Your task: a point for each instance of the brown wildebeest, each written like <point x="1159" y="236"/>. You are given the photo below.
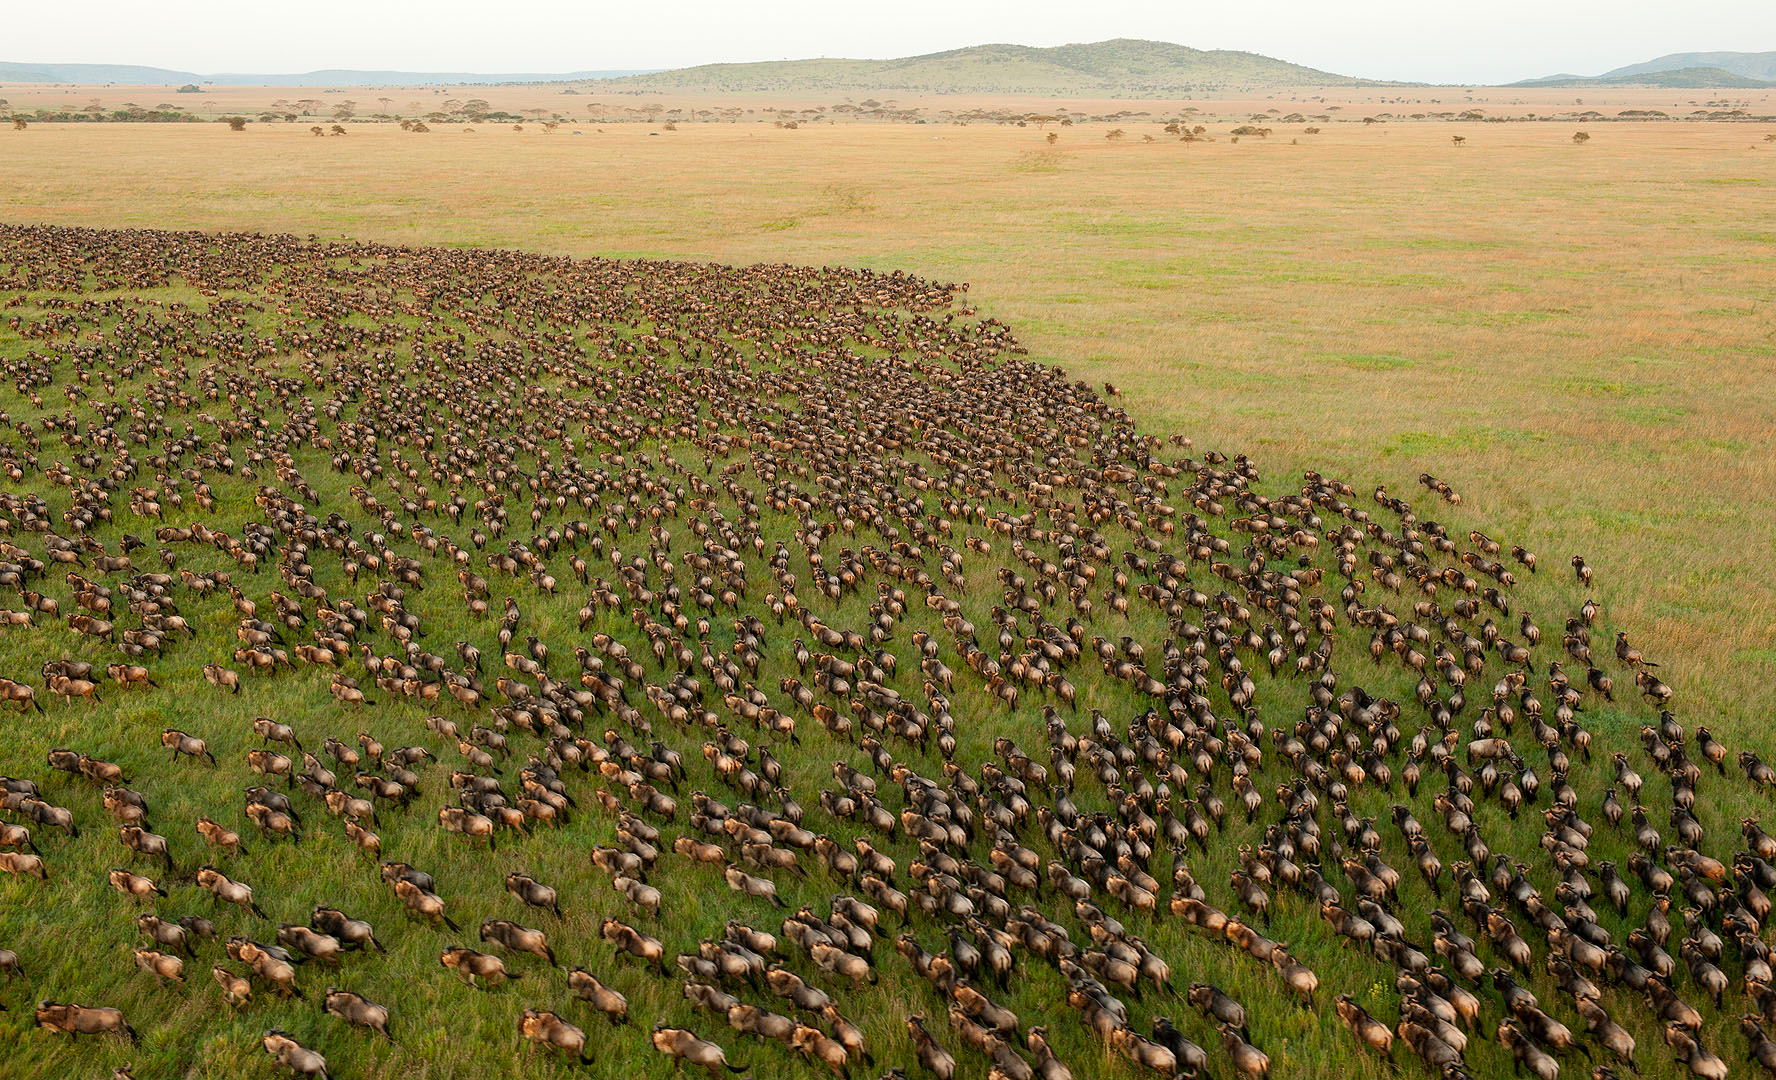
<point x="128" y="675"/>
<point x="634" y="942"/>
<point x="83" y="1020"/>
<point x="548" y="1029"/>
<point x="227" y="891"/>
<point x="353" y="932"/>
<point x="218" y="836"/>
<point x="143" y="842"/>
<point x="17" y="836"/>
<point x="467" y="823"/>
<point x="1368" y="1030"/>
<point x="236" y="988"/>
<point x="310" y="942"/>
<point x="271" y="731"/>
<point x="268" y="965"/>
<point x="222" y="678"/>
<point x="423" y="903"/>
<point x="17" y="693"/>
<point x="180" y="743"/>
<point x="128" y="807"/>
<point x="270" y="763"/>
<point x="168" y="934"/>
<point x="742" y="882"/>
<point x="587" y="987"/>
<point x="684" y="1046"/>
<point x="133" y="885"/>
<point x="644" y="896"/>
<point x="357" y="1011"/>
<point x="69" y="689"/>
<point x="470" y="965"/>
<point x="816" y="1045"/>
<point x="25" y="864"/>
<point x="933" y="1057"/>
<point x="533" y="892"/>
<point x="518" y="938"/>
<point x="363" y="839"/>
<point x="160" y="965"/>
<point x="292" y="1055"/>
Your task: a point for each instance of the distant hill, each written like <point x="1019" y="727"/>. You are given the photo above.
<point x="1691" y="78"/>
<point x="1121" y="68"/>
<point x="93" y="73"/>
<point x="1751" y="65"/>
<point x="129" y="73"/>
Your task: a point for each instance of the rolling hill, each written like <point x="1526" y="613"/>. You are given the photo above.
<point x="131" y="73"/>
<point x="1751" y="65"/>
<point x="1119" y="68"/>
<point x="1696" y="78"/>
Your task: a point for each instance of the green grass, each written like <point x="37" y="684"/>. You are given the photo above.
<point x="1597" y="236"/>
<point x="73" y="934"/>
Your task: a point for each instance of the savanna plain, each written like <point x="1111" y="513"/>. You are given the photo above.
<point x="1578" y="338"/>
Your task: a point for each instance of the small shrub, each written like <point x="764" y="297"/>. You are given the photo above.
<point x="235" y="123"/>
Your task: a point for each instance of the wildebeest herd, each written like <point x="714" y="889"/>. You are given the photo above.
<point x="648" y="655"/>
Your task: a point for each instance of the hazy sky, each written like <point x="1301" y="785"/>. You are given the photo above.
<point x="1426" y="40"/>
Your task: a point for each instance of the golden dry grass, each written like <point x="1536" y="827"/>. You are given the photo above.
<point x="1579" y="337"/>
<point x="602" y="101"/>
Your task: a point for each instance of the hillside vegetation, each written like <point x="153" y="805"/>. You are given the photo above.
<point x="1120" y="68"/>
<point x="1752" y="65"/>
<point x="1699" y="78"/>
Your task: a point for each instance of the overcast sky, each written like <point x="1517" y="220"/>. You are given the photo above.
<point x="1420" y="40"/>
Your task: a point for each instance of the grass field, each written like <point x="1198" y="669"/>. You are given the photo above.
<point x="1578" y="338"/>
<point x="1581" y="337"/>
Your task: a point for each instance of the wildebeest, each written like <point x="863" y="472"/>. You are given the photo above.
<point x="292" y="1055"/>
<point x="470" y="965"/>
<point x="357" y="1011"/>
<point x="352" y="932"/>
<point x="83" y="1020"/>
<point x="533" y="892"/>
<point x="189" y="745"/>
<point x="162" y="966"/>
<point x="588" y="988"/>
<point x="684" y="1046"/>
<point x="632" y="941"/>
<point x="518" y="938"/>
<point x="226" y="890"/>
<point x="549" y="1029"/>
